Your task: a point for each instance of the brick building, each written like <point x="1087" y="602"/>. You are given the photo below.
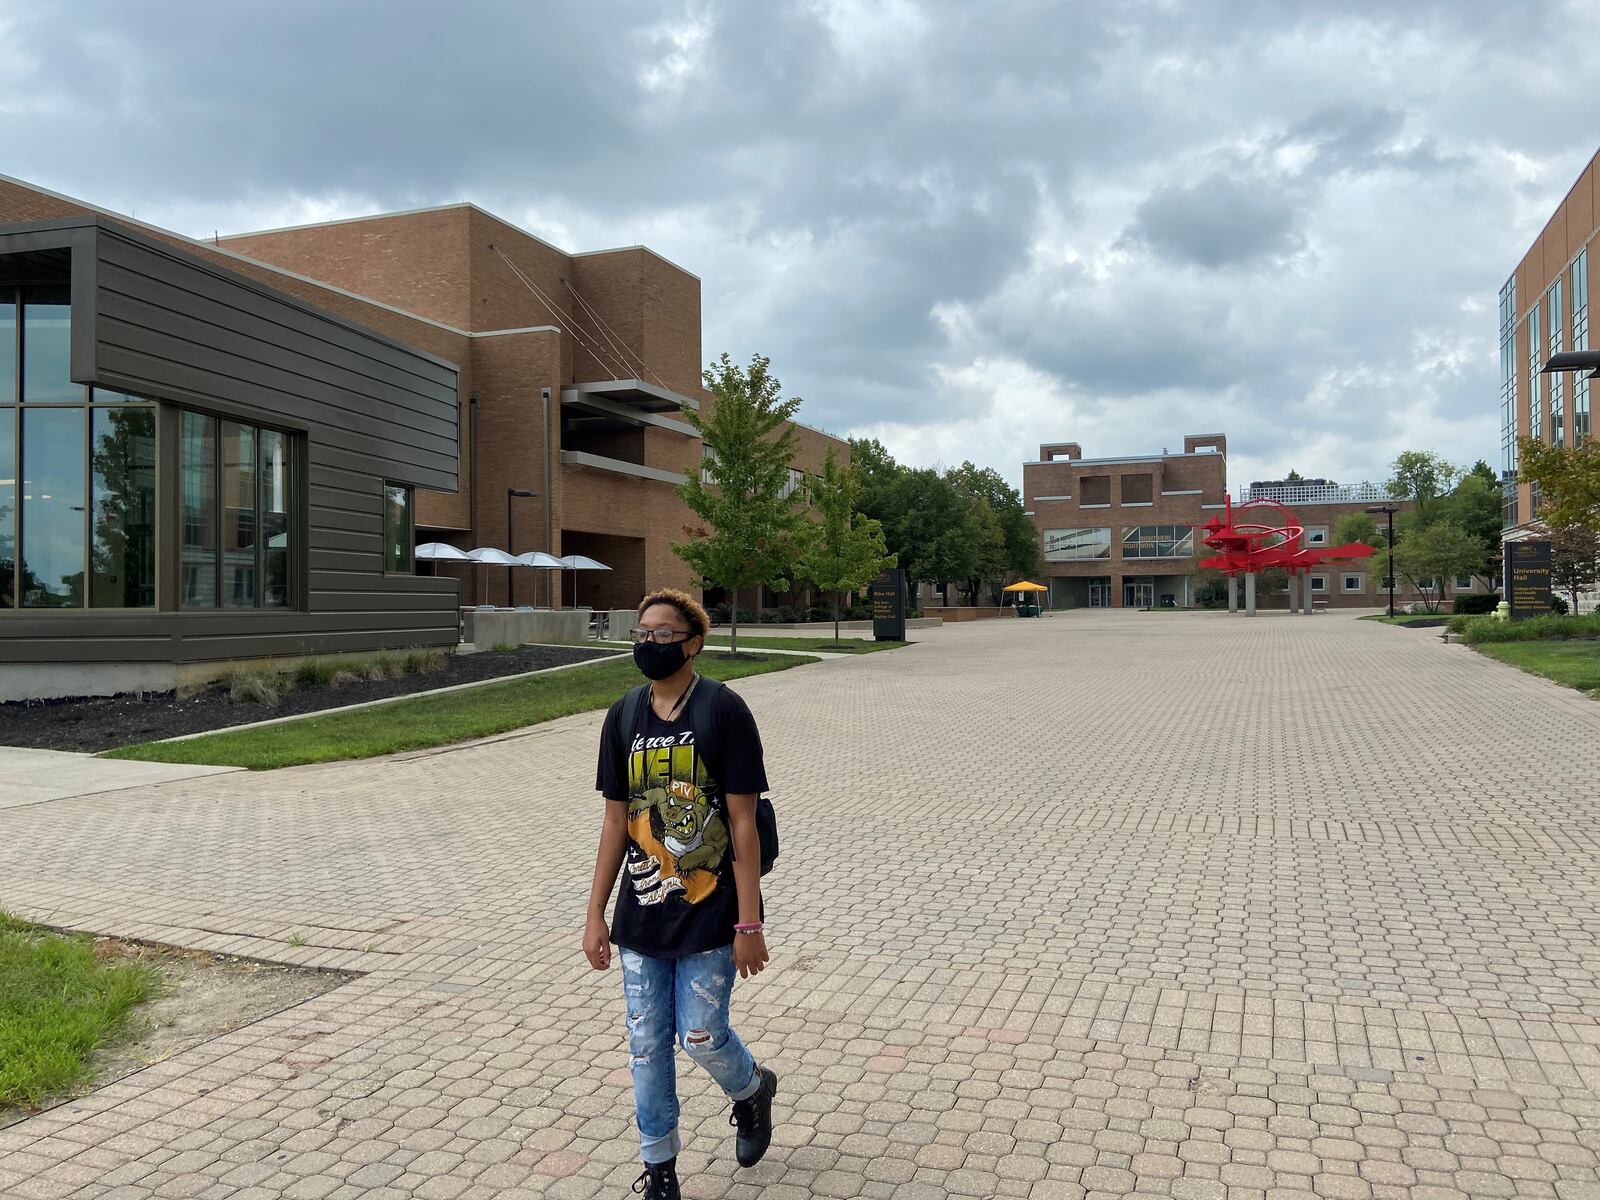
<point x="573" y="372"/>
<point x="1544" y="309"/>
<point x="1121" y="532"/>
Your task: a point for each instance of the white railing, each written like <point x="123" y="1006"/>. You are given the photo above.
<point x="1317" y="493"/>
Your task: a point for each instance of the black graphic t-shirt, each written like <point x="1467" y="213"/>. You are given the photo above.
<point x="677" y="894"/>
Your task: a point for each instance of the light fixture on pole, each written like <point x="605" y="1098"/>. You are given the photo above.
<point x="511" y="544"/>
<point x="1389" y="510"/>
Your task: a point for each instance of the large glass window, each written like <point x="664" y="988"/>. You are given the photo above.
<point x="397" y="547"/>
<point x="8" y="349"/>
<point x="1158" y="541"/>
<point x="8" y="508"/>
<point x="53" y="490"/>
<point x="239" y="500"/>
<point x="1580" y="341"/>
<point x="1558" y="381"/>
<point x="1508" y="402"/>
<point x="237" y="542"/>
<point x="122" y="462"/>
<point x="274" y="532"/>
<point x="46" y="338"/>
<point x="77" y="472"/>
<point x="1535" y="389"/>
<point x="1066" y="545"/>
<point x="198" y="553"/>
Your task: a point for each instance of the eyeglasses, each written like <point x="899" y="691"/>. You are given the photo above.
<point x="662" y="637"/>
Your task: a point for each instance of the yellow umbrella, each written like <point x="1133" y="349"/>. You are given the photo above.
<point x="1025" y="586"/>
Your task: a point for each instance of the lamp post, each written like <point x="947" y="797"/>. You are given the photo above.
<point x="1388" y="510"/>
<point x="511" y="543"/>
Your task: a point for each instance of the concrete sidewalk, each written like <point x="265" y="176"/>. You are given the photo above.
<point x="31" y="776"/>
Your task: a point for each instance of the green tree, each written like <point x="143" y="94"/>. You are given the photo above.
<point x="1574" y="561"/>
<point x="929" y="528"/>
<point x="1431" y="554"/>
<point x="1008" y="539"/>
<point x="1476" y="506"/>
<point x="1568" y="478"/>
<point x="1360" y="529"/>
<point x="752" y="525"/>
<point x="843" y="550"/>
<point x="1421" y="475"/>
<point x="1294" y="476"/>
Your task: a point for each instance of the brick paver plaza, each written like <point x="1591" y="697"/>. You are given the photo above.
<point x="1106" y="904"/>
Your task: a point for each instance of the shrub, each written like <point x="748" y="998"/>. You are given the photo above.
<point x="506" y="647"/>
<point x="1533" y="629"/>
<point x="419" y="662"/>
<point x="820" y="612"/>
<point x="256" y="687"/>
<point x="1558" y="606"/>
<point x="346" y="676"/>
<point x="1477" y="602"/>
<point x="858" y="612"/>
<point x="1458" y="623"/>
<point x="314" y="672"/>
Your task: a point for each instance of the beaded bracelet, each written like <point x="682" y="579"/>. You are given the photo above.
<point x="754" y="927"/>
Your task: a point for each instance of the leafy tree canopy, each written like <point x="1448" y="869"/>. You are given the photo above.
<point x="843" y="550"/>
<point x="1421" y="475"/>
<point x="1429" y="555"/>
<point x="1568" y="478"/>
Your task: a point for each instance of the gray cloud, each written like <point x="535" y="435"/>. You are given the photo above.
<point x="975" y="227"/>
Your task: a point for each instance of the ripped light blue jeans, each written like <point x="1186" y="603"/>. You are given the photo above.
<point x="682" y="1001"/>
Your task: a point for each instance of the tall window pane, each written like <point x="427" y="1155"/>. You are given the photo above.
<point x="8" y="508"/>
<point x="198" y="552"/>
<point x="53" y="493"/>
<point x="122" y="457"/>
<point x="397" y="528"/>
<point x="8" y="350"/>
<point x="238" y="515"/>
<point x="46" y="338"/>
<point x="275" y="533"/>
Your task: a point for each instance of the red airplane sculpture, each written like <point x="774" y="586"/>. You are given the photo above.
<point x="1263" y="533"/>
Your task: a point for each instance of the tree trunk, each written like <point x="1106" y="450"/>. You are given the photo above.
<point x="836" y="618"/>
<point x="733" y="612"/>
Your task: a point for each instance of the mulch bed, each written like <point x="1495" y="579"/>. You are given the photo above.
<point x="104" y="723"/>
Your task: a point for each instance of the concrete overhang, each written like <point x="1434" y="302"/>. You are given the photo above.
<point x="598" y="462"/>
<point x="614" y="412"/>
<point x="635" y="393"/>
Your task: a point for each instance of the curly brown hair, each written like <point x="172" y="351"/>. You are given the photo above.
<point x="688" y="608"/>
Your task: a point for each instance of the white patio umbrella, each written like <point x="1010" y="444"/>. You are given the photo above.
<point x="441" y="552"/>
<point x="547" y="562"/>
<point x="489" y="556"/>
<point x="580" y="562"/>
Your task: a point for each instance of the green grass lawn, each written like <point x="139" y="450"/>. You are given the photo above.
<point x="1574" y="663"/>
<point x="58" y="1004"/>
<point x="427" y="721"/>
<point x="843" y="646"/>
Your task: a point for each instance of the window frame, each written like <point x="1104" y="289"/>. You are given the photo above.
<point x="410" y="531"/>
<point x="1319" y="584"/>
<point x="294" y="522"/>
<point x="1360" y="588"/>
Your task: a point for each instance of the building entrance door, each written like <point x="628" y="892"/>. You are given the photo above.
<point x="1099" y="595"/>
<point x="1139" y="594"/>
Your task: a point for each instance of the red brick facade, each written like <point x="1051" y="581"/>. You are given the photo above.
<point x="439" y="280"/>
<point x="1111" y="530"/>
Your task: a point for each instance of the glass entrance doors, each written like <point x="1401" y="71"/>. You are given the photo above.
<point x="1139" y="594"/>
<point x="1099" y="593"/>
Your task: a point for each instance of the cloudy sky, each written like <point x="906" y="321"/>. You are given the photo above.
<point x="964" y="228"/>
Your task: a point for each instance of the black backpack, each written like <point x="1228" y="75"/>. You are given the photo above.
<point x="705" y="693"/>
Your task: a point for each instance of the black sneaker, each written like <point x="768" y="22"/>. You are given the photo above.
<point x="659" y="1181"/>
<point x="753" y="1116"/>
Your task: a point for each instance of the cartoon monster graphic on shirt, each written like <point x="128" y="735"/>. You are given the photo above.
<point x="681" y="836"/>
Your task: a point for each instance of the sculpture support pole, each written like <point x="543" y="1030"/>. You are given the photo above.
<point x="1305" y="594"/>
<point x="1294" y="593"/>
<point x="1250" y="594"/>
<point x="1233" y="593"/>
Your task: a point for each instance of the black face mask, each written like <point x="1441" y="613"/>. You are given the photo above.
<point x="658" y="661"/>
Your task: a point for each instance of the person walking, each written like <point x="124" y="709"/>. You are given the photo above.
<point x="681" y="775"/>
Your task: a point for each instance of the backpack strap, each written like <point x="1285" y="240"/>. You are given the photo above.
<point x="632" y="705"/>
<point x="703" y="722"/>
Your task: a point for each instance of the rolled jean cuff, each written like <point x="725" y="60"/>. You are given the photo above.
<point x="659" y="1149"/>
<point x="754" y="1086"/>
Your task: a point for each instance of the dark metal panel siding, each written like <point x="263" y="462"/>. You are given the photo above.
<point x="152" y="320"/>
